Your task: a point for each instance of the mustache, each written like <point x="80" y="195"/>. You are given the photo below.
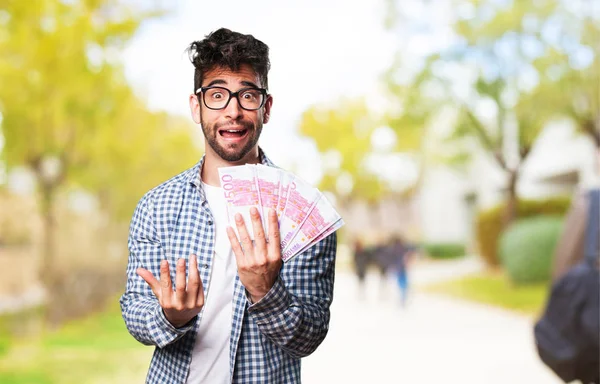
<point x="235" y="124"/>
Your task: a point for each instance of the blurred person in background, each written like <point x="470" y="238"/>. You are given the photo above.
<point x="567" y="335"/>
<point x="375" y="255"/>
<point x="229" y="319"/>
<point x="361" y="263"/>
<point x="401" y="255"/>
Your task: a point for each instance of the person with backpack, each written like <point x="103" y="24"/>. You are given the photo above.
<point x="567" y="335"/>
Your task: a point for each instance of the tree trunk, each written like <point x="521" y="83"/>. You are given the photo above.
<point x="48" y="263"/>
<point x="48" y="183"/>
<point x="590" y="128"/>
<point x="48" y="273"/>
<point x="511" y="212"/>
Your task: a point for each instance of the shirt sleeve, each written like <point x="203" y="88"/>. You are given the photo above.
<point x="143" y="315"/>
<point x="294" y="314"/>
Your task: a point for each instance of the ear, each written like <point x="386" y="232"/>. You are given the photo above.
<point x="195" y="108"/>
<point x="267" y="112"/>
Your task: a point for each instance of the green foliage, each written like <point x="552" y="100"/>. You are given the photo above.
<point x="413" y="107"/>
<point x="527" y="248"/>
<point x="90" y="350"/>
<point x="567" y="68"/>
<point x="64" y="97"/>
<point x="495" y="289"/>
<point x="5" y="338"/>
<point x="51" y="88"/>
<point x="513" y="39"/>
<point x="122" y="165"/>
<point x="489" y="223"/>
<point x="504" y="73"/>
<point x="343" y="131"/>
<point x="444" y="250"/>
<point x="14" y="325"/>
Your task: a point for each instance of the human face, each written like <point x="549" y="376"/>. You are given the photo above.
<point x="231" y="133"/>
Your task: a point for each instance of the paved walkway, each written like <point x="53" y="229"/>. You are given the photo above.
<point x="434" y="340"/>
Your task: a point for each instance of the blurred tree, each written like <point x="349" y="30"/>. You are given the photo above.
<point x="342" y="134"/>
<point x="509" y="68"/>
<point x="121" y="161"/>
<point x="413" y="109"/>
<point x="61" y="83"/>
<point x="569" y="70"/>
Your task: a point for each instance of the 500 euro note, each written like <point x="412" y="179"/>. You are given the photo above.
<point x="241" y="194"/>
<point x="304" y="214"/>
<point x="301" y="199"/>
<point x="268" y="185"/>
<point x="286" y="179"/>
<point x="321" y="218"/>
<point x="334" y="227"/>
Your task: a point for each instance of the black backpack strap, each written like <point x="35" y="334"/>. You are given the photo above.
<point x="591" y="249"/>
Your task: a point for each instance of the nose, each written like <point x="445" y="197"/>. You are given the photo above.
<point x="233" y="109"/>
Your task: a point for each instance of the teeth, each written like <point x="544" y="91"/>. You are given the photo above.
<point x="233" y="130"/>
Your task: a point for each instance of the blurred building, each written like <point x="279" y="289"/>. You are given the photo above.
<point x="560" y="162"/>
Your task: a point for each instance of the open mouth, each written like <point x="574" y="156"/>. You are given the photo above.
<point x="233" y="133"/>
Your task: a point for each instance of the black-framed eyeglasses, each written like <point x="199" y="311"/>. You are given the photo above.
<point x="249" y="99"/>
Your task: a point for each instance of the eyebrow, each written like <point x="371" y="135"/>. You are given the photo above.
<point x="215" y="82"/>
<point x="219" y="81"/>
<point x="250" y="84"/>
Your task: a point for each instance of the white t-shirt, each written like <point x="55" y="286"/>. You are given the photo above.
<point x="210" y="357"/>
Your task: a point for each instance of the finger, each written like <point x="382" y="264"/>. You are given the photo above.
<point x="274" y="236"/>
<point x="194" y="281"/>
<point x="245" y="239"/>
<point x="166" y="289"/>
<point x="150" y="279"/>
<point x="236" y="247"/>
<point x="200" y="296"/>
<point x="180" y="284"/>
<point x="260" y="242"/>
<point x="200" y="289"/>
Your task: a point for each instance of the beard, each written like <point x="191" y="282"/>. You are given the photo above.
<point x="231" y="152"/>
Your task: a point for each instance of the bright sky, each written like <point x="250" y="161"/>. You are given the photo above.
<point x="320" y="51"/>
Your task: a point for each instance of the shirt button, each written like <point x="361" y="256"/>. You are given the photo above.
<point x="210" y="222"/>
<point x="205" y="266"/>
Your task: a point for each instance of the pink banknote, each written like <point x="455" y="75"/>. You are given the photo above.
<point x="301" y="199"/>
<point x="334" y="227"/>
<point x="241" y="193"/>
<point x="305" y="215"/>
<point x="286" y="179"/>
<point x="321" y="217"/>
<point x="268" y="184"/>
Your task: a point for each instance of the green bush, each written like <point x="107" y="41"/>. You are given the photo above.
<point x="527" y="247"/>
<point x="489" y="223"/>
<point x="444" y="250"/>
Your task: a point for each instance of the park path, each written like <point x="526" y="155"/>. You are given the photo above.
<point x="435" y="339"/>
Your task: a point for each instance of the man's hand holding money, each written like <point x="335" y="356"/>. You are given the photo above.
<point x="258" y="262"/>
<point x="304" y="216"/>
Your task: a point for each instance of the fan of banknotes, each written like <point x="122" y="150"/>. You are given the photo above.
<point x="304" y="213"/>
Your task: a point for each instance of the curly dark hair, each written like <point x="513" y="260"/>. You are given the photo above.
<point x="228" y="49"/>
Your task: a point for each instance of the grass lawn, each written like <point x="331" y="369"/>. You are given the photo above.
<point x="97" y="349"/>
<point x="494" y="288"/>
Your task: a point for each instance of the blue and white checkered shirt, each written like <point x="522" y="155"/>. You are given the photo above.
<point x="268" y="338"/>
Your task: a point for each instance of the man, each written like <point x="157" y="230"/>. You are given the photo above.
<point x="221" y="309"/>
<point x="401" y="255"/>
